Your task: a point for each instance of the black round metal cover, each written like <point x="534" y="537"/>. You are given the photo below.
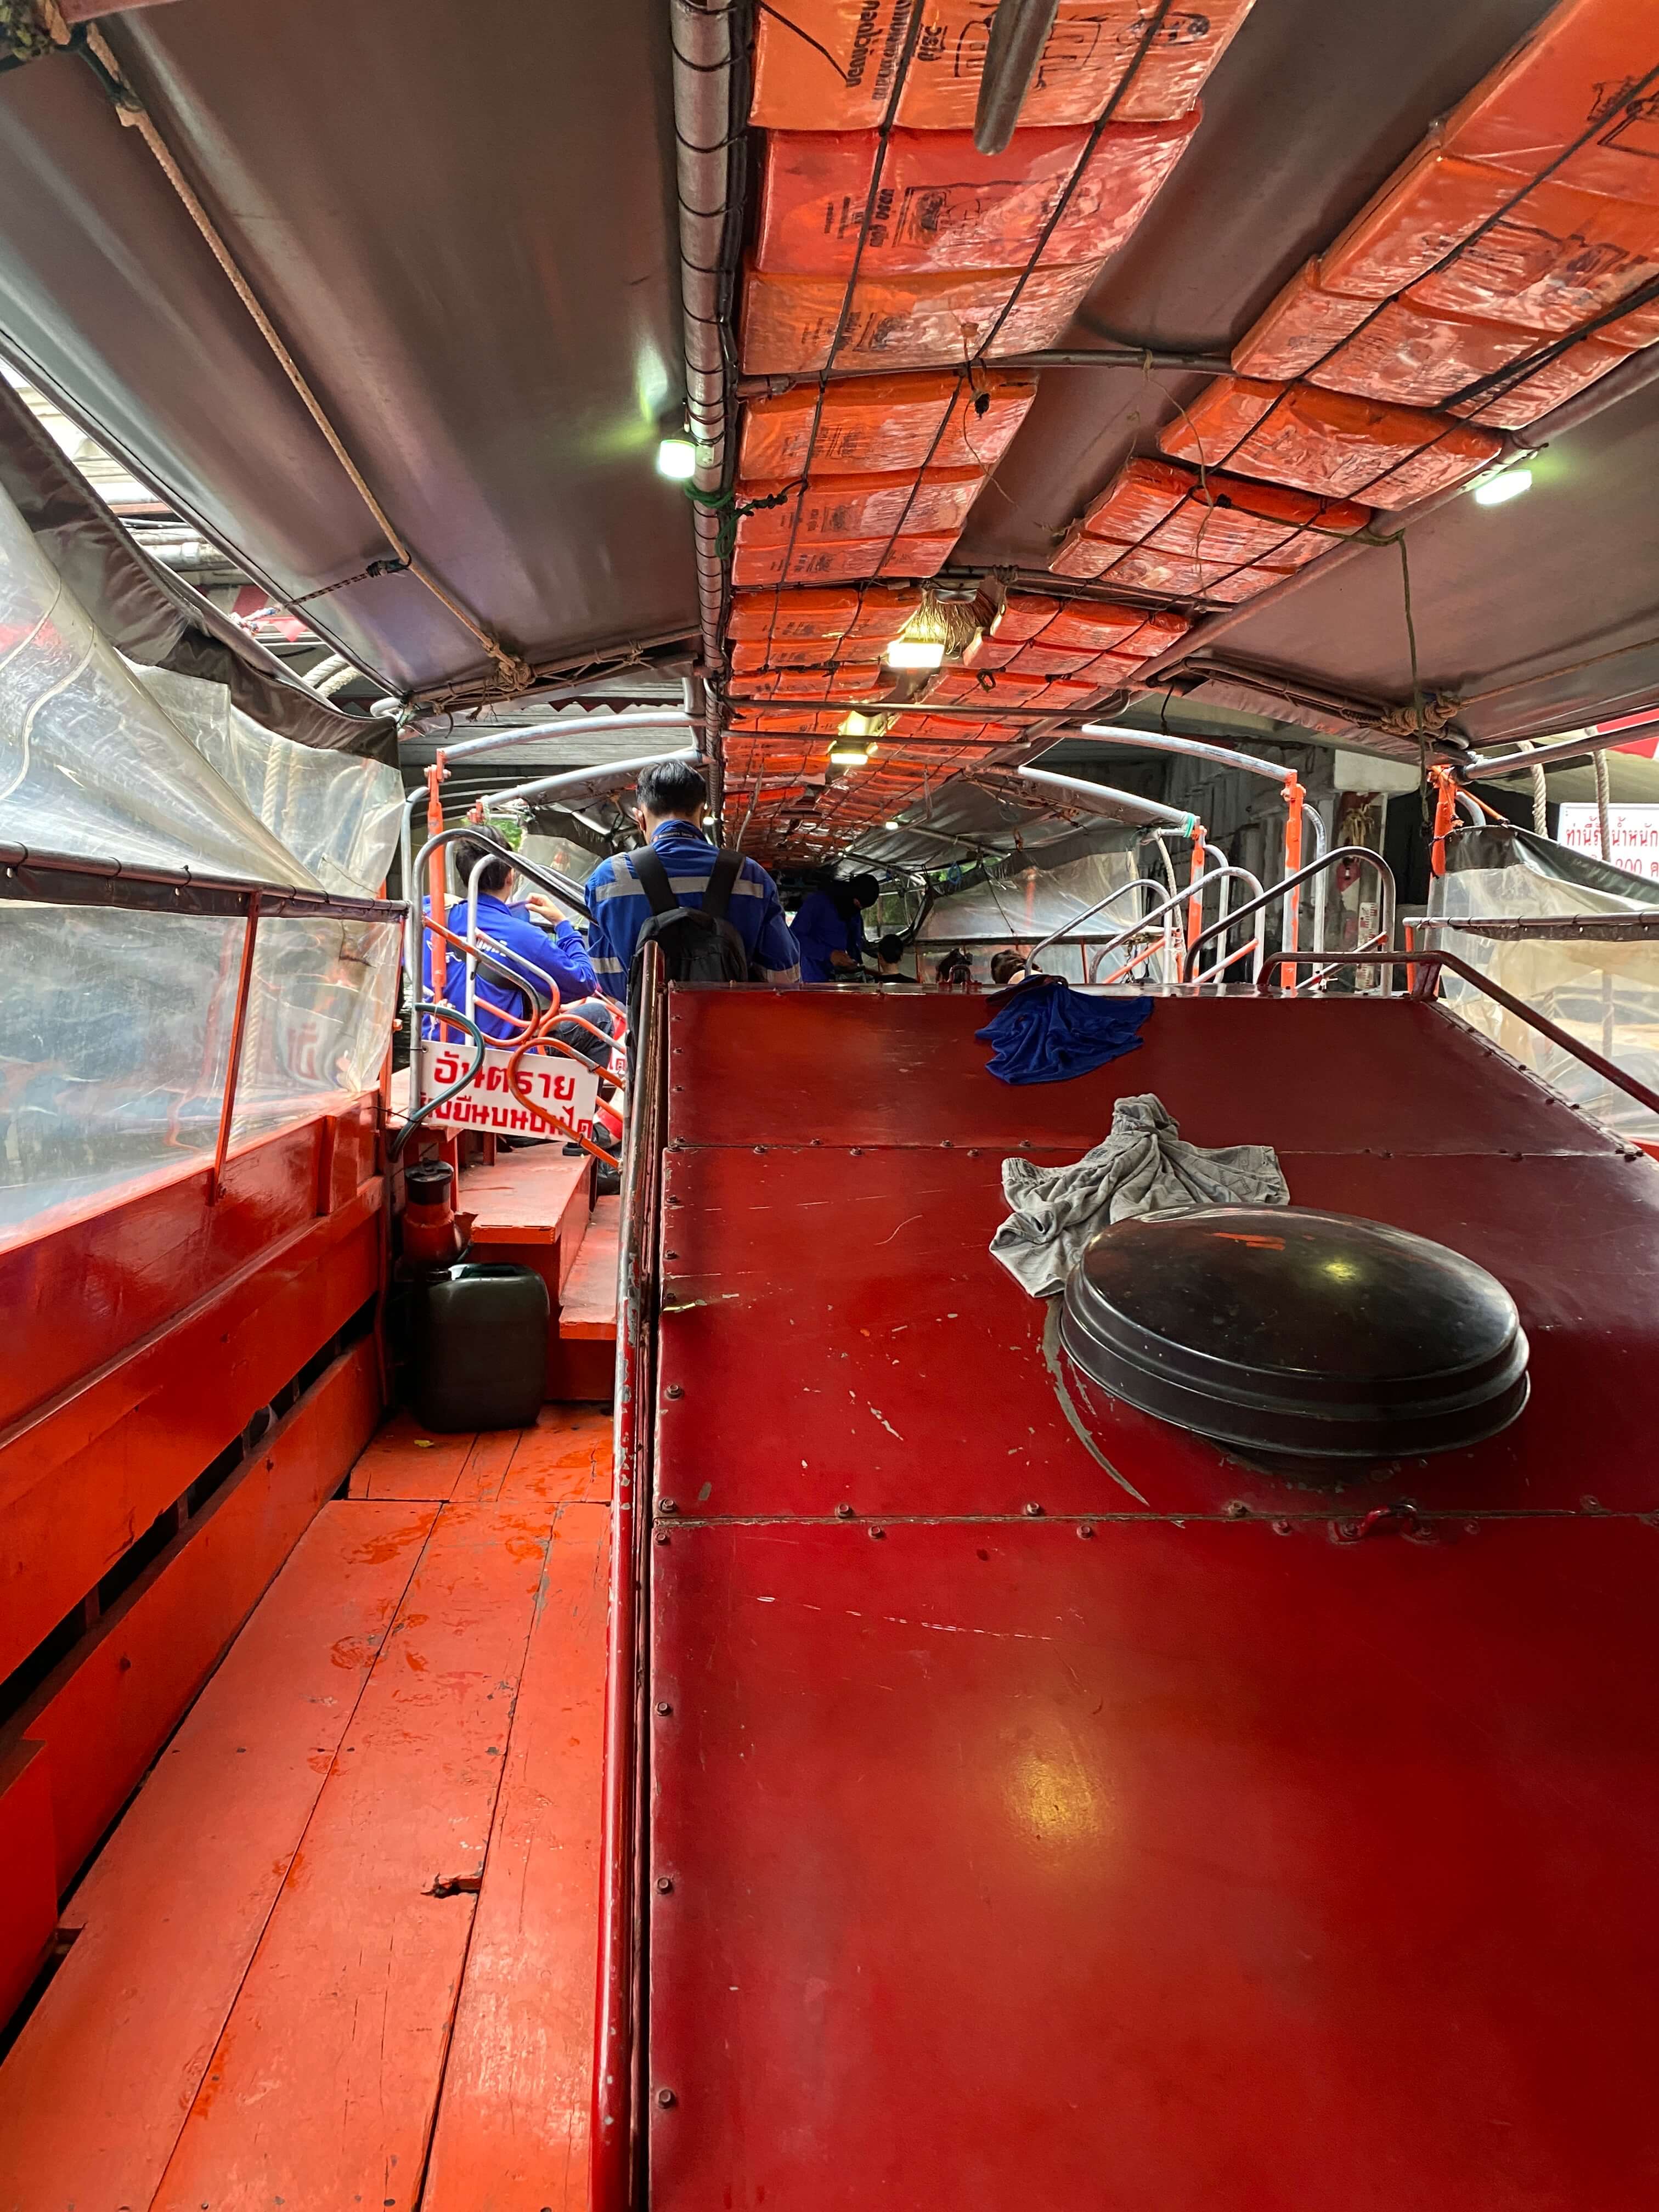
<point x="1287" y="1331"/>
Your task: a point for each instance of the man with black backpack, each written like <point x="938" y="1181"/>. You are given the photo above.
<point x="716" y="915"/>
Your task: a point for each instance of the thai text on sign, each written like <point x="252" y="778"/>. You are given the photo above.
<point x="569" y="1088"/>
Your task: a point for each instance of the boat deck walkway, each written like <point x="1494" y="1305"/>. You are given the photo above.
<point x="340" y="1951"/>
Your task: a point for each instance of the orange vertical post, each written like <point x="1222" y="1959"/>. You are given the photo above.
<point x="1295" y="797"/>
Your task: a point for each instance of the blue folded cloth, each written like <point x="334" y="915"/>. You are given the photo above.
<point x="1044" y="1031"/>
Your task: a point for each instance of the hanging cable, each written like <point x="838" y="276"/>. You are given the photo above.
<point x="1599" y="760"/>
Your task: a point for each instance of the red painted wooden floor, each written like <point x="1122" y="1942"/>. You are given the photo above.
<point x="341" y="1950"/>
<point x="1128" y="1852"/>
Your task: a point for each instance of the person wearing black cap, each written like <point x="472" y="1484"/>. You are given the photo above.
<point x="829" y="928"/>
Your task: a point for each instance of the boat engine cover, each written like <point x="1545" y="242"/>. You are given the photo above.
<point x="1283" y="1330"/>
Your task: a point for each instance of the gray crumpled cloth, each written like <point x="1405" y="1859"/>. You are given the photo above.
<point x="1142" y="1167"/>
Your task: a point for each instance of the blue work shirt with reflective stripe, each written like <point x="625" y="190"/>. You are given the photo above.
<point x="555" y="956"/>
<point x="619" y="909"/>
<point x="822" y="930"/>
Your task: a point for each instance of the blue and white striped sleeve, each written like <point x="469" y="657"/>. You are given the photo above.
<point x="775" y="950"/>
<point x="610" y="970"/>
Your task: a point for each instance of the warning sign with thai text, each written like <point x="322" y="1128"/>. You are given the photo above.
<point x="569" y="1088"/>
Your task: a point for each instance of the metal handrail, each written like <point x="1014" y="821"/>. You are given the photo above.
<point x="1071" y="928"/>
<point x="1180" y="898"/>
<point x="619" y="2009"/>
<point x="549" y="878"/>
<point x="1288" y="883"/>
<point x="1427" y="966"/>
<point x="413" y="1120"/>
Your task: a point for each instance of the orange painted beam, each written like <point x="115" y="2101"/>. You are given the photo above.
<point x="512" y="2129"/>
<point x="110" y="1707"/>
<point x="93" y="2094"/>
<point x="323" y="2088"/>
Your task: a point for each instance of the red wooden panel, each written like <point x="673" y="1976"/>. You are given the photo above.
<point x="108" y="1712"/>
<point x="66" y="1529"/>
<point x="756" y="1066"/>
<point x="28" y="1883"/>
<point x="126" y="1268"/>
<point x="323" y="2088"/>
<point x="93" y="2094"/>
<point x="512" y="2131"/>
<point x="587" y="1301"/>
<point x="1189" y="1867"/>
<point x="838" y="1334"/>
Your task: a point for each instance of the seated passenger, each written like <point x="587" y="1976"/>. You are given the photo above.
<point x="890" y="956"/>
<point x="955" y="972"/>
<point x="529" y="937"/>
<point x="1007" y="968"/>
<point x="829" y="928"/>
<point x="670" y="801"/>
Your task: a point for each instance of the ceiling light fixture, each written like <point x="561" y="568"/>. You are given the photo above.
<point x="1510" y="483"/>
<point x="677" y="459"/>
<point x="922" y="641"/>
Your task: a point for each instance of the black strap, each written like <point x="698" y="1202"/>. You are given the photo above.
<point x="653" y="877"/>
<point x="717" y="892"/>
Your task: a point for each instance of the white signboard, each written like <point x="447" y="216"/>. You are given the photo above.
<point x="569" y="1088"/>
<point x="1633" y="831"/>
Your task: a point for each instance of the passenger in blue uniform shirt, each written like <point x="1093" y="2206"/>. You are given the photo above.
<point x="550" y="948"/>
<point x="829" y="928"/>
<point x="670" y="801"/>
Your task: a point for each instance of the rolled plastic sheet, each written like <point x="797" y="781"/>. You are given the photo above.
<point x="1430" y="205"/>
<point x="831" y="64"/>
<point x="1412" y="354"/>
<point x="1605" y="994"/>
<point x="338" y="815"/>
<point x="946" y="421"/>
<point x="827" y="509"/>
<point x="1552" y="262"/>
<point x="1513" y="406"/>
<point x="791" y="324"/>
<point x="908" y="555"/>
<point x="1579" y="92"/>
<point x="1299" y="328"/>
<point x="1328" y="442"/>
<point x="940" y="205"/>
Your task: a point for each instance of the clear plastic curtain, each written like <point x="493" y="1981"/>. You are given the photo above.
<point x="1023" y="905"/>
<point x="115" y="1026"/>
<point x="1603" y="992"/>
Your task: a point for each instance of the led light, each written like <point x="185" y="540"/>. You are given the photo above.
<point x="916" y="652"/>
<point x="889" y="825"/>
<point x="845" y="754"/>
<point x="1510" y="485"/>
<point x="677" y="459"/>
